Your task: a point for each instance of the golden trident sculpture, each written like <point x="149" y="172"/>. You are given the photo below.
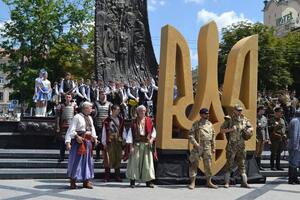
<point x="240" y="87"/>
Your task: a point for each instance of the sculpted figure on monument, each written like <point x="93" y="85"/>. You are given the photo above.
<point x="121" y="37"/>
<point x="139" y="45"/>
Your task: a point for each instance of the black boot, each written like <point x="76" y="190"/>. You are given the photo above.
<point x="278" y="163"/>
<point x="149" y="184"/>
<point x="258" y="161"/>
<point x="132" y="183"/>
<point x="272" y="162"/>
<point x="107" y="174"/>
<point x="295" y="176"/>
<point x="62" y="152"/>
<point x="290" y="173"/>
<point x="118" y="175"/>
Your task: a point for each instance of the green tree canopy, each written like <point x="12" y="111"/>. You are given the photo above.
<point x="274" y="70"/>
<point x="52" y="34"/>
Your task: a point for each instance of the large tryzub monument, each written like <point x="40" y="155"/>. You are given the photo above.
<point x="123" y="48"/>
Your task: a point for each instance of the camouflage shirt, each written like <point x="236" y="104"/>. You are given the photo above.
<point x="202" y="133"/>
<point x="241" y="124"/>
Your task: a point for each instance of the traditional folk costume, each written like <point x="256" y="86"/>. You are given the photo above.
<point x="140" y="164"/>
<point x="67" y="87"/>
<point x="81" y="94"/>
<point x="113" y="135"/>
<point x="80" y="164"/>
<point x="93" y="93"/>
<point x="64" y="115"/>
<point x="102" y="111"/>
<point x="43" y="93"/>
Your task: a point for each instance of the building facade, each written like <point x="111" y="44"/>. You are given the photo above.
<point x="283" y="15"/>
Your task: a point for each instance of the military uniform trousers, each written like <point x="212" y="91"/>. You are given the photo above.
<point x="195" y="157"/>
<point x="235" y="151"/>
<point x="276" y="149"/>
<point x="113" y="154"/>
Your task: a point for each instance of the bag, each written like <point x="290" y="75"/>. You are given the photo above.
<point x="246" y="134"/>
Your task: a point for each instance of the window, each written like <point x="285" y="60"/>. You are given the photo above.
<point x="1" y="80"/>
<point x="1" y="96"/>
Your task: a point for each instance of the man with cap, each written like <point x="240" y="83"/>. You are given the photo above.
<point x="278" y="136"/>
<point x="262" y="134"/>
<point x="202" y="137"/>
<point x="237" y="129"/>
<point x="294" y="148"/>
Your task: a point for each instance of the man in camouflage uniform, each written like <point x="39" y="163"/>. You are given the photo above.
<point x="278" y="136"/>
<point x="237" y="129"/>
<point x="202" y="137"/>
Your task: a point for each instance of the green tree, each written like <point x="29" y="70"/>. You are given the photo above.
<point x="290" y="47"/>
<point x="50" y="34"/>
<point x="273" y="70"/>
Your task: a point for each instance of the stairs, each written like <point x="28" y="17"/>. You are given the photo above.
<point x="40" y="164"/>
<point x="43" y="164"/>
<point x="284" y="163"/>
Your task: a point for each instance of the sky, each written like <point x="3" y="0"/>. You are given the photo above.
<point x="187" y="16"/>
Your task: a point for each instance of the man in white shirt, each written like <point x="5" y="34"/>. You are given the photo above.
<point x="80" y="137"/>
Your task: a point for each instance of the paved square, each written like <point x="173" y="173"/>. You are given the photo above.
<point x="276" y="188"/>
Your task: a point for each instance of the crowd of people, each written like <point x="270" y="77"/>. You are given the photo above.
<point x="278" y="126"/>
<point x="92" y="115"/>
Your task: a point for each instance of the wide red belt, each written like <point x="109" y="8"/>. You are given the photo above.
<point x="82" y="149"/>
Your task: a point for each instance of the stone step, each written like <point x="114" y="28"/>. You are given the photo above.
<point x="29" y="153"/>
<point x="266" y="163"/>
<point x="267" y="154"/>
<point x="32" y="153"/>
<point x="42" y="163"/>
<point x="270" y="173"/>
<point x="45" y="173"/>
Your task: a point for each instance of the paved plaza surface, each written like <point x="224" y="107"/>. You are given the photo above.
<point x="276" y="188"/>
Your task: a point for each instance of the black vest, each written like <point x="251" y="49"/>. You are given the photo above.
<point x="93" y="94"/>
<point x="67" y="85"/>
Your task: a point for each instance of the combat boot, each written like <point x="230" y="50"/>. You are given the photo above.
<point x="244" y="183"/>
<point x="192" y="184"/>
<point x="210" y="184"/>
<point x="227" y="179"/>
